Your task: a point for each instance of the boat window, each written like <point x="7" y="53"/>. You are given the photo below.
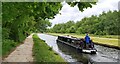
<point x="68" y="40"/>
<point x="72" y="41"/>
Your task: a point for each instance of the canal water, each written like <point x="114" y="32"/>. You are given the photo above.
<point x="104" y="54"/>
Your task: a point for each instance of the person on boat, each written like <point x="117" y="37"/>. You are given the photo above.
<point x="91" y="44"/>
<point x="81" y="43"/>
<point x="87" y="40"/>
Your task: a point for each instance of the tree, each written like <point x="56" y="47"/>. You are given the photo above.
<point x="22" y="18"/>
<point x="104" y="24"/>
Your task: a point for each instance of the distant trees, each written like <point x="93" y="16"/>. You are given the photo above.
<point x="64" y="27"/>
<point x="104" y="24"/>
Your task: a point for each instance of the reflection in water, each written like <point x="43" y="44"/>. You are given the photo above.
<point x="73" y="52"/>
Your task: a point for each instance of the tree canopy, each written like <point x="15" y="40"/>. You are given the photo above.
<point x="19" y="19"/>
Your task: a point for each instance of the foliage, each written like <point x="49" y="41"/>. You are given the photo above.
<point x="19" y="19"/>
<point x="82" y="5"/>
<point x="64" y="28"/>
<point x="104" y="24"/>
<point x="43" y="53"/>
<point x="7" y="46"/>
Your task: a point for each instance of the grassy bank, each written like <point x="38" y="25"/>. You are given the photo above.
<point x="100" y="40"/>
<point x="8" y="46"/>
<point x="43" y="53"/>
<point x="0" y="40"/>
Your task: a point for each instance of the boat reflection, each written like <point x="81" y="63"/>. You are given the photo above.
<point x="73" y="52"/>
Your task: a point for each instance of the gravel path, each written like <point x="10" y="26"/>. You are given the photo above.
<point x="22" y="53"/>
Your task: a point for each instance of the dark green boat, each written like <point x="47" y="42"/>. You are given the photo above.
<point x="78" y="43"/>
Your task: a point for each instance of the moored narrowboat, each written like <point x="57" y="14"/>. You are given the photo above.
<point x="78" y="43"/>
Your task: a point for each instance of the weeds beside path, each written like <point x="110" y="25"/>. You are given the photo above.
<point x="22" y="53"/>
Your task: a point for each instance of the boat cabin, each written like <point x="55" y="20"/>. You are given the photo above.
<point x="70" y="40"/>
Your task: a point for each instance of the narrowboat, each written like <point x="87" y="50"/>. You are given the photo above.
<point x="78" y="43"/>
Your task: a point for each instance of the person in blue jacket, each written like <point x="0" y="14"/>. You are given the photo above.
<point x="87" y="40"/>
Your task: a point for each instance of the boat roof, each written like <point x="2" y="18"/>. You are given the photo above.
<point x="69" y="37"/>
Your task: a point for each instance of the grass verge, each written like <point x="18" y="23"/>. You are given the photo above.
<point x="43" y="53"/>
<point x="0" y="40"/>
<point x="111" y="42"/>
<point x="8" y="46"/>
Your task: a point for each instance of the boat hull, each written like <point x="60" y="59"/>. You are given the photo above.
<point x="90" y="51"/>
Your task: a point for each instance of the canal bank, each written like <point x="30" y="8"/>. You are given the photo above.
<point x="107" y="42"/>
<point x="44" y="53"/>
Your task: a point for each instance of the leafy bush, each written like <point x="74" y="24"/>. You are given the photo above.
<point x="5" y="33"/>
<point x="7" y="46"/>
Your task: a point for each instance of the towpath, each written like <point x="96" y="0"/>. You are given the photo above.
<point x="22" y="53"/>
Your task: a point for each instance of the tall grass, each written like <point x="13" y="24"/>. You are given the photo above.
<point x="0" y="40"/>
<point x="7" y="46"/>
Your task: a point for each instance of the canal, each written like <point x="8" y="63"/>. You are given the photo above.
<point x="104" y="54"/>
